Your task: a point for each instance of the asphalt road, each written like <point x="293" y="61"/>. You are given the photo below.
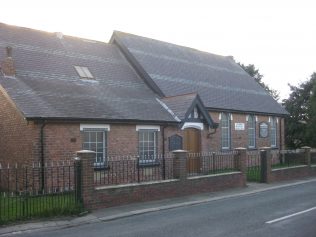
<point x="253" y="215"/>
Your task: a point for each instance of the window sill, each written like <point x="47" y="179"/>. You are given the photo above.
<point x="101" y="167"/>
<point x="149" y="164"/>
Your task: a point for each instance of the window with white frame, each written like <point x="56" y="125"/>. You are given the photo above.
<point x="147" y="145"/>
<point x="251" y="131"/>
<point x="225" y="130"/>
<point x="273" y="132"/>
<point x="95" y="139"/>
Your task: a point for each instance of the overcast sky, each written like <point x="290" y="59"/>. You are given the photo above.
<point x="278" y="36"/>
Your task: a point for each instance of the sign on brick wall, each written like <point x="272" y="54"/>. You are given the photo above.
<point x="239" y="126"/>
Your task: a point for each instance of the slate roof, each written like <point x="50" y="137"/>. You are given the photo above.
<point x="47" y="86"/>
<point x="183" y="105"/>
<point x="221" y="83"/>
<point x="180" y="104"/>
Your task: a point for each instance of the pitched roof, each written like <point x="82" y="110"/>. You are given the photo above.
<point x="47" y="85"/>
<point x="180" y="104"/>
<point x="175" y="70"/>
<point x="183" y="105"/>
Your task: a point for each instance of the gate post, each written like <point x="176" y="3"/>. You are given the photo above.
<point x="265" y="156"/>
<point x="307" y="155"/>
<point x="85" y="179"/>
<point x="180" y="164"/>
<point x="242" y="161"/>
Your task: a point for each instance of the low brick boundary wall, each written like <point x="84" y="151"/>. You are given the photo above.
<point x="296" y="172"/>
<point x="287" y="173"/>
<point x="106" y="196"/>
<point x="109" y="196"/>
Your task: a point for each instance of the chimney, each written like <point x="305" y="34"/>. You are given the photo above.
<point x="7" y="66"/>
<point x="59" y="35"/>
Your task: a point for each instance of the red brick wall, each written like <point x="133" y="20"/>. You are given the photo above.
<point x="18" y="138"/>
<point x="291" y="173"/>
<point x="138" y="193"/>
<point x="240" y="138"/>
<point x="61" y="141"/>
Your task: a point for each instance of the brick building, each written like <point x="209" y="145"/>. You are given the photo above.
<point x="133" y="95"/>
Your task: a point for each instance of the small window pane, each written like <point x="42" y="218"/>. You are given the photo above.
<point x="273" y="132"/>
<point x="225" y="131"/>
<point x="251" y="131"/>
<point x="87" y="72"/>
<point x="147" y="145"/>
<point x="96" y="141"/>
<point x="83" y="72"/>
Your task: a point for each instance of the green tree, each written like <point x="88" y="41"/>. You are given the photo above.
<point x="254" y="72"/>
<point x="300" y="126"/>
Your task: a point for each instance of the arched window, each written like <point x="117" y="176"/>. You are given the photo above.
<point x="251" y="131"/>
<point x="225" y="131"/>
<point x="273" y="132"/>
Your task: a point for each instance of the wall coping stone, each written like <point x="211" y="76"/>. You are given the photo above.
<point x="134" y="184"/>
<point x="292" y="167"/>
<point x="213" y="175"/>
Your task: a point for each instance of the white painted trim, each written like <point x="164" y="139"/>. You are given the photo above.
<point x="96" y="126"/>
<point x="247" y="118"/>
<point x="231" y="117"/>
<point x="148" y="127"/>
<point x="199" y="126"/>
<point x="256" y="118"/>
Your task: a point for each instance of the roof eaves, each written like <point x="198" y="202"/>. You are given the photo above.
<point x="247" y="112"/>
<point x="114" y="121"/>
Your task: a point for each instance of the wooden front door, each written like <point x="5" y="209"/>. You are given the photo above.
<point x="192" y="143"/>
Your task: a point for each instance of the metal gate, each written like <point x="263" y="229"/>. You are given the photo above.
<point x="254" y="167"/>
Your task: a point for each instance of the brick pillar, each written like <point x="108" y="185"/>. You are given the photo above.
<point x="307" y="155"/>
<point x="86" y="159"/>
<point x="241" y="163"/>
<point x="266" y="160"/>
<point x="242" y="159"/>
<point x="180" y="164"/>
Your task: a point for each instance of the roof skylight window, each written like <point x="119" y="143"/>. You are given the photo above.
<point x="84" y="72"/>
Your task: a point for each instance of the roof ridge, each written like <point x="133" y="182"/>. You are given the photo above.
<point x="177" y="45"/>
<point x="52" y="33"/>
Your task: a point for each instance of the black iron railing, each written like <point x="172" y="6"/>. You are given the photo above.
<point x="211" y="163"/>
<point x="290" y="158"/>
<point x="133" y="169"/>
<point x="22" y="195"/>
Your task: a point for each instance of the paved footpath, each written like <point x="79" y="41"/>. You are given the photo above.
<point x="114" y="213"/>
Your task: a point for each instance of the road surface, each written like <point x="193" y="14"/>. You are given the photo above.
<point x="289" y="212"/>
